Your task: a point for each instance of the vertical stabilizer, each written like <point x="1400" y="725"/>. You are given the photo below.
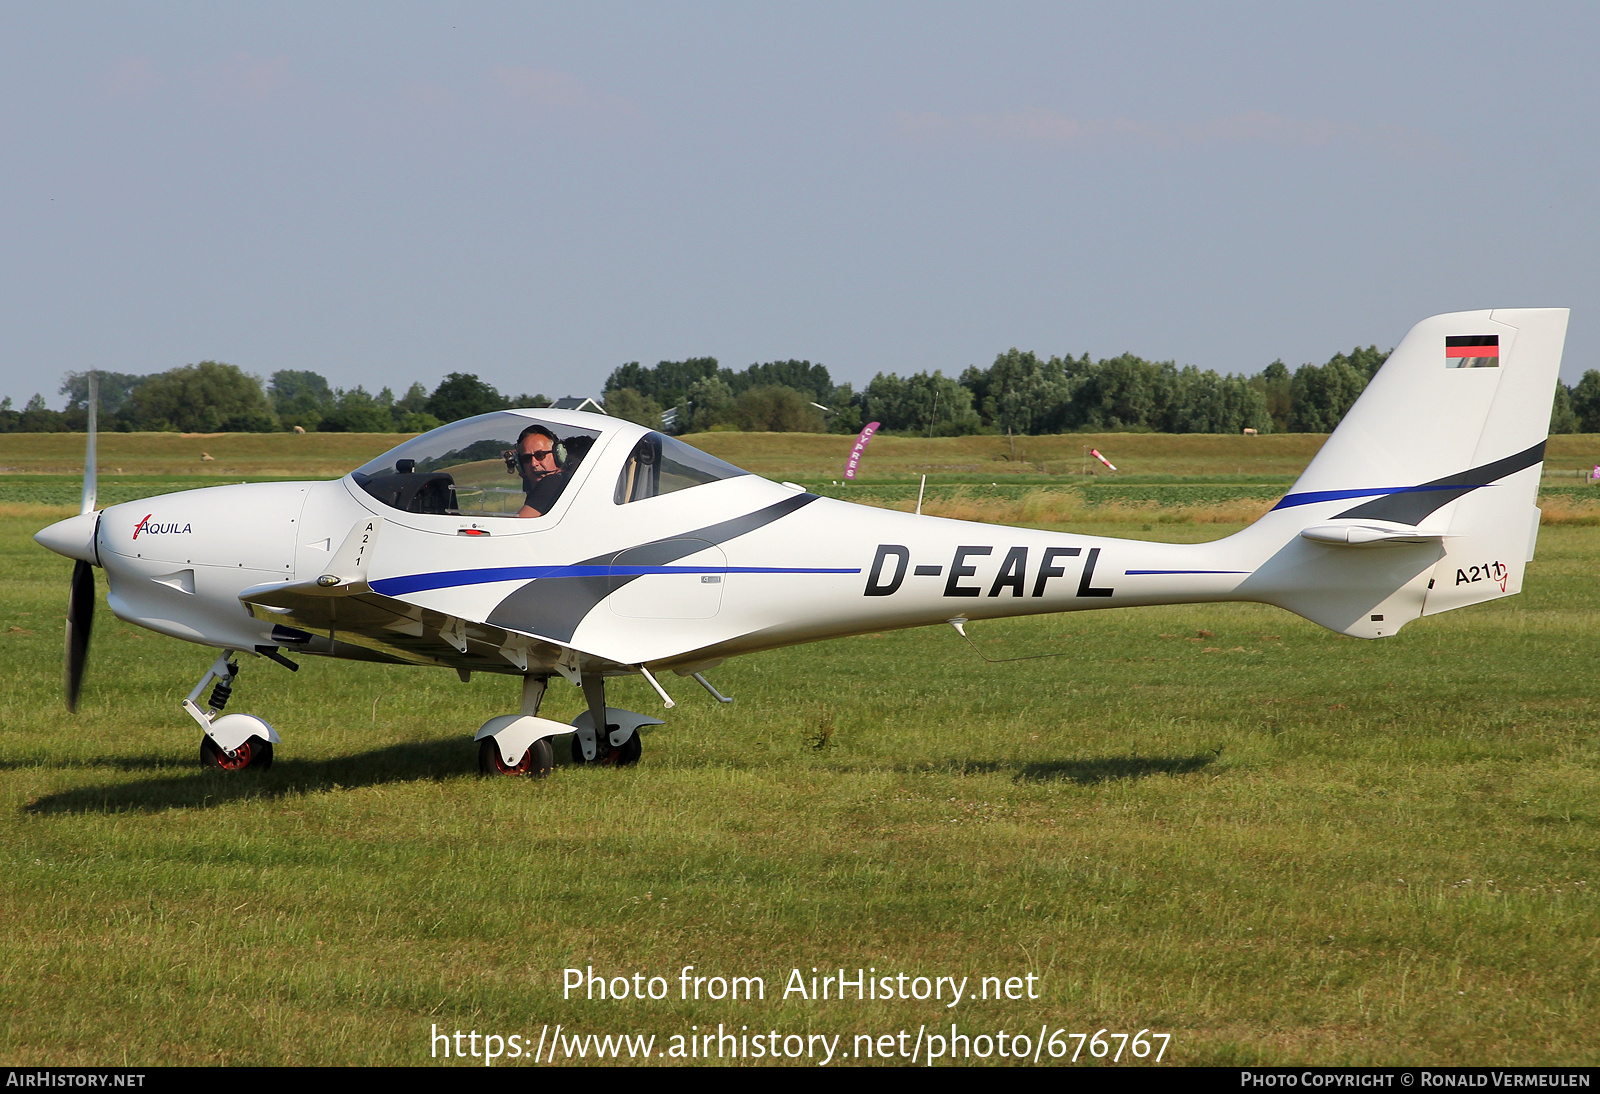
<point x="1423" y="499"/>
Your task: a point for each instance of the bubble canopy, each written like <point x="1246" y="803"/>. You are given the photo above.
<point x="471" y="467"/>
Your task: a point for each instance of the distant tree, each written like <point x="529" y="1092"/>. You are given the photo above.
<point x="414" y="401"/>
<point x="300" y="398"/>
<point x="355" y="411"/>
<point x="631" y="406"/>
<point x="526" y="401"/>
<point x="1204" y="402"/>
<point x="775" y="409"/>
<point x="115" y="389"/>
<point x="1119" y="393"/>
<point x="417" y="422"/>
<point x="671" y="383"/>
<point x="409" y="412"/>
<point x="461" y="395"/>
<point x="36" y="417"/>
<point x="210" y="397"/>
<point x="920" y="402"/>
<point x="1020" y="393"/>
<point x="667" y="382"/>
<point x="802" y="376"/>
<point x="1562" y="419"/>
<point x="708" y="403"/>
<point x="1365" y="361"/>
<point x="845" y="410"/>
<point x="1276" y="386"/>
<point x="1323" y="394"/>
<point x="1586" y="402"/>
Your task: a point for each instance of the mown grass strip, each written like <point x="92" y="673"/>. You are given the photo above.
<point x="1280" y="845"/>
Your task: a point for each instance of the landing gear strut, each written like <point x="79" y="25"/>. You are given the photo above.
<point x="588" y="746"/>
<point x="619" y="745"/>
<point x="519" y="744"/>
<point x="232" y="742"/>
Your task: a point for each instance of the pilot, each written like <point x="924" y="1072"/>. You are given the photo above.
<point x="541" y="473"/>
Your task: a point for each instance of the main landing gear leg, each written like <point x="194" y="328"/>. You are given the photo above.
<point x="606" y="748"/>
<point x="232" y="742"/>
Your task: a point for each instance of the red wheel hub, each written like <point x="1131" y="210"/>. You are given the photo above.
<point x="237" y="760"/>
<point x="522" y="768"/>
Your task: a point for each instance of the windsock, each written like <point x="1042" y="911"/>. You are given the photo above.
<point x="1095" y="452"/>
<point x="860" y="446"/>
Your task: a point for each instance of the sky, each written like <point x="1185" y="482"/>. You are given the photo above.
<point x="387" y="193"/>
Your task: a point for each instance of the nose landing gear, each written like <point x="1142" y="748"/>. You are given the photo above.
<point x="232" y="742"/>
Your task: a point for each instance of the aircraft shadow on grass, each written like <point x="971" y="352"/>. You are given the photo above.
<point x="207" y="789"/>
<point x="413" y="761"/>
<point x="1088" y="772"/>
<point x="148" y="761"/>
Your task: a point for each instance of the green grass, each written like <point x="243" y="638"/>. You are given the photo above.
<point x="1277" y="844"/>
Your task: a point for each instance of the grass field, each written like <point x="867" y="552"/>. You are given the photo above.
<point x="1222" y="823"/>
<point x="798" y="456"/>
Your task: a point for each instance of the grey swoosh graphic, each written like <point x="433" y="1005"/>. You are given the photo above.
<point x="1415" y="504"/>
<point x="553" y="607"/>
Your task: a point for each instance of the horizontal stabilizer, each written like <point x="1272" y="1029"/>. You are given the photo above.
<point x="1354" y="534"/>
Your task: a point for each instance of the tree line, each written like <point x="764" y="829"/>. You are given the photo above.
<point x="1020" y="393"/>
<point x="212" y="397"/>
<point x="1024" y="393"/>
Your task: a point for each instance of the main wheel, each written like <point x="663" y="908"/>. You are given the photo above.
<point x="629" y="753"/>
<point x="255" y="753"/>
<point x="625" y="755"/>
<point x="537" y="761"/>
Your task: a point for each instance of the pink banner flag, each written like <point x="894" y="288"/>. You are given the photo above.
<point x="1095" y="452"/>
<point x="860" y="446"/>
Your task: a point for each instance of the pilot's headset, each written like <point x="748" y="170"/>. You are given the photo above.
<point x="559" y="447"/>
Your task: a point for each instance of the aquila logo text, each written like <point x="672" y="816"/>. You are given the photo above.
<point x="154" y="529"/>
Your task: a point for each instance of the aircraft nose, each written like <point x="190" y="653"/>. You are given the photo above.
<point x="73" y="537"/>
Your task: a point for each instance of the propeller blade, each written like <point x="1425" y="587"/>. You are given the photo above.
<point x="80" y="601"/>
<point x="90" y="474"/>
<point x="80" y="620"/>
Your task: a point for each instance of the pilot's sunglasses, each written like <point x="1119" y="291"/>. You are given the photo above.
<point x="526" y="458"/>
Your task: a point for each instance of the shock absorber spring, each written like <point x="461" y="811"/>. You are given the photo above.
<point x="224" y="688"/>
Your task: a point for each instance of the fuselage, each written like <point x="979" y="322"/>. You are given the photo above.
<point x="731" y="566"/>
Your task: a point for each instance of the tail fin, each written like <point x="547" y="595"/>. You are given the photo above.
<point x="1423" y="499"/>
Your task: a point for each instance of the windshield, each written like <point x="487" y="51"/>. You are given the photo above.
<point x="494" y="465"/>
<point x="661" y="465"/>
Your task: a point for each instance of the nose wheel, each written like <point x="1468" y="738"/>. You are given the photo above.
<point x="232" y="742"/>
<point x="254" y="753"/>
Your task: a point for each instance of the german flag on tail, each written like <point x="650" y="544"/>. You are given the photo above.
<point x="1472" y="351"/>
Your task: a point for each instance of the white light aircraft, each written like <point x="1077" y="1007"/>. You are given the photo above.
<point x="647" y="555"/>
